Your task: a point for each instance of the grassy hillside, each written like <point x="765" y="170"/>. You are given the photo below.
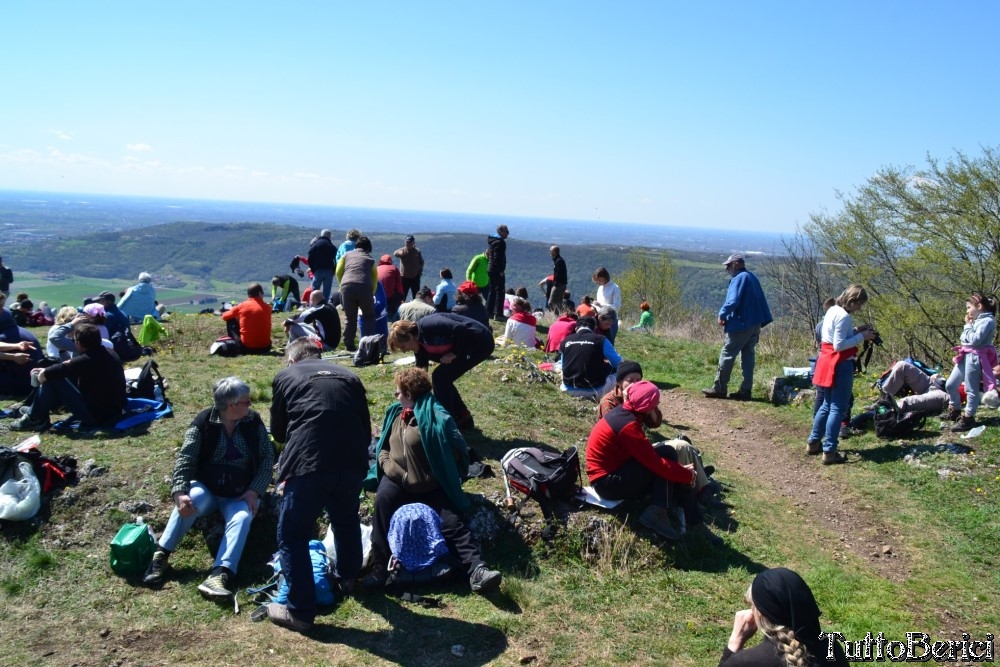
<point x="603" y="591"/>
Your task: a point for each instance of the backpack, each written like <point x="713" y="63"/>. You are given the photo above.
<point x="543" y="476"/>
<point x="892" y="423"/>
<point x="132" y="549"/>
<point x="148" y="384"/>
<point x="126" y="346"/>
<point x="369" y="351"/>
<point x="320" y="562"/>
<point x="419" y="552"/>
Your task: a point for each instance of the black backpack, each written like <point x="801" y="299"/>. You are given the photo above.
<point x="892" y="423"/>
<point x="369" y="350"/>
<point x="543" y="476"/>
<point x="126" y="346"/>
<point x="145" y="385"/>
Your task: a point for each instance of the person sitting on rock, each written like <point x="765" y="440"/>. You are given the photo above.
<point x="249" y="323"/>
<point x="224" y="465"/>
<point x="622" y="463"/>
<point x="422" y="458"/>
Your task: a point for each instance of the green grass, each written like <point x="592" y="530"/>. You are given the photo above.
<point x="566" y="601"/>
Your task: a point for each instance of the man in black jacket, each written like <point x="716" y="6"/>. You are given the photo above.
<point x="559" y="280"/>
<point x="322" y="262"/>
<point x="320" y="411"/>
<point x="91" y="385"/>
<point x="496" y="268"/>
<point x="588" y="361"/>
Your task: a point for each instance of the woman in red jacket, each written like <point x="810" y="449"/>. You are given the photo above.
<point x="622" y="463"/>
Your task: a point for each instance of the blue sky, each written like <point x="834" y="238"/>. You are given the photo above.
<point x="713" y="114"/>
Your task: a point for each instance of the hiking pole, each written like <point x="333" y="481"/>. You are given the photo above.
<point x="509" y="501"/>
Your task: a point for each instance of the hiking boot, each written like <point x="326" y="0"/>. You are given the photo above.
<point x="26" y="423"/>
<point x="376" y="578"/>
<point x="657" y="519"/>
<point x="216" y="585"/>
<point x="830" y="458"/>
<point x="702" y="532"/>
<point x="281" y="615"/>
<point x="814" y="447"/>
<point x="951" y="415"/>
<point x="964" y="423"/>
<point x="709" y="469"/>
<point x="158" y="568"/>
<point x="740" y="396"/>
<point x="712" y="393"/>
<point x="484" y="580"/>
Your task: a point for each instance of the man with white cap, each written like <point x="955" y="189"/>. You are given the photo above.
<point x="743" y="315"/>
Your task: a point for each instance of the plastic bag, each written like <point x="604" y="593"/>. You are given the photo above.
<point x="20" y="496"/>
<point x="366" y="546"/>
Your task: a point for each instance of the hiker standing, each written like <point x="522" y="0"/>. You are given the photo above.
<point x="322" y="262"/>
<point x="496" y="270"/>
<point x="835" y="371"/>
<point x="320" y="411"/>
<point x="742" y="316"/>
<point x="559" y="280"/>
<point x="411" y="266"/>
<point x="6" y="278"/>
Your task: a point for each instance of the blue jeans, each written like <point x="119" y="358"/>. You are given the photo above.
<point x="836" y="404"/>
<point x="744" y="344"/>
<point x="305" y="498"/>
<point x="236" y="513"/>
<point x="323" y="279"/>
<point x="61" y="391"/>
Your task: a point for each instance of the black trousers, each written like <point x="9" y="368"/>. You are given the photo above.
<point x="494" y="304"/>
<point x="411" y="286"/>
<point x="634" y="480"/>
<point x="390" y="496"/>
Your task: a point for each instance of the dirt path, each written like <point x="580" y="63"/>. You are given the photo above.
<point x="735" y="438"/>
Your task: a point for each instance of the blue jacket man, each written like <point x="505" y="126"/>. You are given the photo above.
<point x="742" y="316"/>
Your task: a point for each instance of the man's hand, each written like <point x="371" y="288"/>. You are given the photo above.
<point x="251" y="499"/>
<point x="722" y="322"/>
<point x="447" y="358"/>
<point x="184" y="505"/>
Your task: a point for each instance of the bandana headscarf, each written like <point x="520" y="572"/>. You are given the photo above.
<point x="782" y="596"/>
<point x="641" y="396"/>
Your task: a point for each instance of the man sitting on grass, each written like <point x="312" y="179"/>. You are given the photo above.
<point x="249" y="323"/>
<point x="91" y="385"/>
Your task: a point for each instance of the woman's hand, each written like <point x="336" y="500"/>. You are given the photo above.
<point x="184" y="505"/>
<point x="744" y="627"/>
<point x="694" y="475"/>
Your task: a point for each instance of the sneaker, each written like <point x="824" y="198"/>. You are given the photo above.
<point x="951" y="415"/>
<point x="657" y="519"/>
<point x="702" y="532"/>
<point x="484" y="580"/>
<point x="964" y="423"/>
<point x="740" y="396"/>
<point x="711" y="501"/>
<point x="814" y="447"/>
<point x="833" y="457"/>
<point x="26" y="423"/>
<point x="712" y="393"/>
<point x="158" y="568"/>
<point x="281" y="615"/>
<point x="846" y="432"/>
<point x="216" y="585"/>
<point x="24" y="409"/>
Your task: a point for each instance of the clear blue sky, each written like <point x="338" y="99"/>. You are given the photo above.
<point x="715" y="114"/>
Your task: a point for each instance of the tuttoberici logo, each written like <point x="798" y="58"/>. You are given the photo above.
<point x="918" y="647"/>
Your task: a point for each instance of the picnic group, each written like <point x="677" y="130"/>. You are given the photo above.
<point x="416" y="462"/>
